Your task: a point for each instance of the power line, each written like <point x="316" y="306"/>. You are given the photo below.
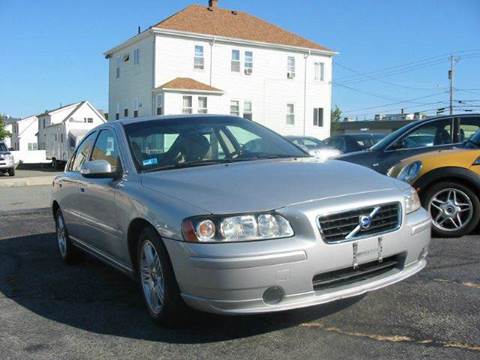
<point x="411" y="66"/>
<point x="401" y="102"/>
<point x="379" y="80"/>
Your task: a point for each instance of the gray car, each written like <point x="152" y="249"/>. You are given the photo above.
<point x="223" y="215"/>
<point x="7" y="162"/>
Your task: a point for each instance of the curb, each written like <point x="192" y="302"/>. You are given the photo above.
<point x="38" y="211"/>
<point x="32" y="181"/>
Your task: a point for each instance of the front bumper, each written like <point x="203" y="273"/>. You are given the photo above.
<point x="232" y="278"/>
<point x="6" y="164"/>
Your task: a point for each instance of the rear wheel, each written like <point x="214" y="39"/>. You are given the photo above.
<point x="69" y="253"/>
<point x="455" y="209"/>
<point x="157" y="280"/>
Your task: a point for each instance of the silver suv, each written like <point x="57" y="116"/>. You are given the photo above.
<point x="226" y="216"/>
<point x="7" y="162"/>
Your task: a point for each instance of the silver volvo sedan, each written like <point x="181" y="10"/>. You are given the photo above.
<point x="223" y="215"/>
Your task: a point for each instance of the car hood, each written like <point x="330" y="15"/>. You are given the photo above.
<point x="264" y="185"/>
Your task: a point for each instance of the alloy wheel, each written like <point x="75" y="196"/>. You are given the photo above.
<point x="153" y="282"/>
<point x="451" y="209"/>
<point x="61" y="236"/>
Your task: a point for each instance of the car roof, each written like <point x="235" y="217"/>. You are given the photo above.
<point x="174" y="117"/>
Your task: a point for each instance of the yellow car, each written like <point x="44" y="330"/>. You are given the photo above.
<point x="448" y="183"/>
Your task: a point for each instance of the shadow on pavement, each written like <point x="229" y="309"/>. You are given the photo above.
<point x="93" y="297"/>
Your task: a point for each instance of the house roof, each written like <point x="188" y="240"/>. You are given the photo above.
<point x="47" y="112"/>
<point x="233" y="24"/>
<point x="188" y="84"/>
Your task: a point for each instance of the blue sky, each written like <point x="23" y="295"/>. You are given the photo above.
<point x="52" y="49"/>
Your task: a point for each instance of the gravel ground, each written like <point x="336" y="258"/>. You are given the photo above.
<point x="89" y="311"/>
<point x="31" y="173"/>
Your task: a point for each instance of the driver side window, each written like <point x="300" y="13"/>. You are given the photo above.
<point x="433" y="134"/>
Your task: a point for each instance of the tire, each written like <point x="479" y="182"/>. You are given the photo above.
<point x="454" y="207"/>
<point x="54" y="163"/>
<point x="168" y="308"/>
<point x="11" y="172"/>
<point x="70" y="253"/>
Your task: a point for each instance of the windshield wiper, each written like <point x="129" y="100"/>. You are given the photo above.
<point x="187" y="165"/>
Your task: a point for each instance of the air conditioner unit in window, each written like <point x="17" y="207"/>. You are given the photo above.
<point x="291" y="75"/>
<point x="248" y="71"/>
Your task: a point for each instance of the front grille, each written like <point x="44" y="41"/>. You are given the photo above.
<point x="362" y="272"/>
<point x="346" y="225"/>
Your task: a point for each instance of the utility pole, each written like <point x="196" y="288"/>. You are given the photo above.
<point x="451" y="77"/>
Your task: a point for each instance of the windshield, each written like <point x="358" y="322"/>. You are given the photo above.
<point x="3" y="147"/>
<point x="393" y="136"/>
<point x="198" y="141"/>
<point x="473" y="141"/>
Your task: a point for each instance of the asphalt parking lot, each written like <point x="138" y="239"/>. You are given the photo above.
<point x="49" y="310"/>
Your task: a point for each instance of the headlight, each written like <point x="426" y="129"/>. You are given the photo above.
<point x="412" y="201"/>
<point x="246" y="227"/>
<point x="410" y="172"/>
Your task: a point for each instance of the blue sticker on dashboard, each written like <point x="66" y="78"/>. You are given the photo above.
<point x="150" y="162"/>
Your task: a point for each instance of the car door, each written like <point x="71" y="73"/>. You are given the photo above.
<point x="98" y="199"/>
<point x="430" y="136"/>
<point x="70" y="185"/>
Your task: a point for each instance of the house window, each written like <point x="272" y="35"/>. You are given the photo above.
<point x="187" y="105"/>
<point x="135" y="108"/>
<point x="88" y="120"/>
<point x="235" y="60"/>
<point x="320" y="71"/>
<point x="125" y="113"/>
<point x="290" y="114"/>
<point x="248" y="110"/>
<point x="117" y="67"/>
<point x="235" y="107"/>
<point x="31" y="146"/>
<point x="199" y="61"/>
<point x="318" y="117"/>
<point x="202" y="105"/>
<point x="117" y="113"/>
<point x="61" y="138"/>
<point x="159" y="104"/>
<point x="248" y="62"/>
<point x="291" y="67"/>
<point x="136" y="56"/>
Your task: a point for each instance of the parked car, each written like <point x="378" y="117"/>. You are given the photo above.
<point x="315" y="147"/>
<point x="347" y="143"/>
<point x="7" y="162"/>
<point x="186" y="207"/>
<point x="418" y="137"/>
<point x="448" y="182"/>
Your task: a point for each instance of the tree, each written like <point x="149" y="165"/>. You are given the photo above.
<point x="3" y="132"/>
<point x="336" y="114"/>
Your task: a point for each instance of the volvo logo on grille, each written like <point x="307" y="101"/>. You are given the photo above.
<point x="365" y="222"/>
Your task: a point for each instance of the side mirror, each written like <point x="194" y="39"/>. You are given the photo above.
<point x="98" y="169"/>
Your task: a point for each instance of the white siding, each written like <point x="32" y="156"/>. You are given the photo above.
<point x="24" y="133"/>
<point x="135" y="81"/>
<point x="267" y="88"/>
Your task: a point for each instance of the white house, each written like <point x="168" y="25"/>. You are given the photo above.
<point x="24" y="134"/>
<point x="213" y="60"/>
<point x="60" y="130"/>
<point x="82" y="114"/>
<point x="8" y="140"/>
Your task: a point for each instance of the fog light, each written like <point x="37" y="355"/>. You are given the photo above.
<point x="273" y="295"/>
<point x="423" y="254"/>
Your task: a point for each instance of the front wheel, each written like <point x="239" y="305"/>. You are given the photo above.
<point x="11" y="172"/>
<point x="157" y="280"/>
<point x="455" y="209"/>
<point x="69" y="253"/>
